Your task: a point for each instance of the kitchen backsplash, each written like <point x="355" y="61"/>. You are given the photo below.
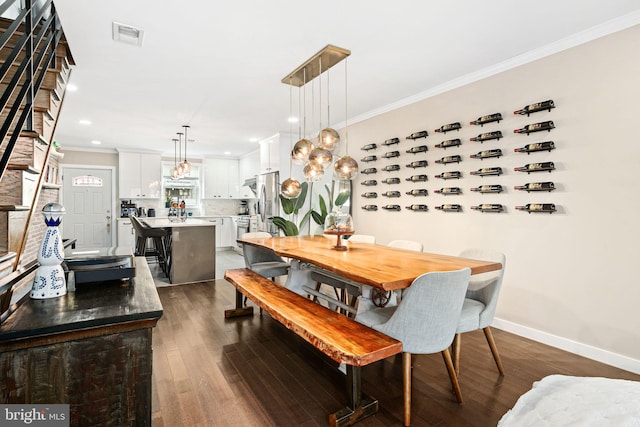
<point x="207" y="207"/>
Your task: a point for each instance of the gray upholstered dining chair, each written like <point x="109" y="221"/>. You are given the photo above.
<point x="263" y="261"/>
<point x="425" y="322"/>
<point x="480" y="304"/>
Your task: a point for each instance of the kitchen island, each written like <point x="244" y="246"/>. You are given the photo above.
<point x="191" y="248"/>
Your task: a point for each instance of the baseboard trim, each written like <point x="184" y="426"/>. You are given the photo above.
<point x="585" y="350"/>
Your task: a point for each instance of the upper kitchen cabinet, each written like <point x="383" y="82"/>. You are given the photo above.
<point x="221" y="179"/>
<point x="139" y="175"/>
<point x="270" y="154"/>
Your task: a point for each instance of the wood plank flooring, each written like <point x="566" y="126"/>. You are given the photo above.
<point x="209" y="371"/>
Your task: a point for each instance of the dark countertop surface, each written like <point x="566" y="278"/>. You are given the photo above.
<point x="92" y="305"/>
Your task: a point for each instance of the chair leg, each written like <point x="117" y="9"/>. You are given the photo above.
<point x="446" y="355"/>
<point x="455" y="349"/>
<point x="406" y="386"/>
<point x="494" y="350"/>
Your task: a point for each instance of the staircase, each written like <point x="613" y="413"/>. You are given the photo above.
<point x="35" y="65"/>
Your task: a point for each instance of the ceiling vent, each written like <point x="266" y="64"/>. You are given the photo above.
<point x="127" y="34"/>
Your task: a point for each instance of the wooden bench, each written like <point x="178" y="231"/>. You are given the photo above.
<point x="342" y="339"/>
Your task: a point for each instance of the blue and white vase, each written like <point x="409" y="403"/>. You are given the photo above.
<point x="49" y="280"/>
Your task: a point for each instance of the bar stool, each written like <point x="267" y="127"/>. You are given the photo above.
<point x="158" y="237"/>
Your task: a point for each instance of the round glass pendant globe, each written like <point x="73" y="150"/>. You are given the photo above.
<point x="320" y="157"/>
<point x="312" y="172"/>
<point x="346" y="167"/>
<point x="301" y="150"/>
<point x="328" y="139"/>
<point x="290" y="188"/>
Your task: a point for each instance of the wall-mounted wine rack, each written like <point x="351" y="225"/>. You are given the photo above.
<point x="421" y="153"/>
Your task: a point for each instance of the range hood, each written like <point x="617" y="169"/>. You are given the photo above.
<point x="252" y="184"/>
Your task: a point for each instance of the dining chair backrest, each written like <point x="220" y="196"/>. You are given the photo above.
<point x="254" y="254"/>
<point x="485" y="287"/>
<point x="426" y="318"/>
<point x="362" y="238"/>
<point x="411" y="245"/>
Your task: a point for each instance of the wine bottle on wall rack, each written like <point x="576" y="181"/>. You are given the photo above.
<point x="449" y="127"/>
<point x="392" y="207"/>
<point x="369" y="159"/>
<point x="449" y="159"/>
<point x="370" y="195"/>
<point x="395" y="180"/>
<point x="450" y="208"/>
<point x="368" y="171"/>
<point x="417" y="178"/>
<point x="391" y="168"/>
<point x="418" y="149"/>
<point x="418" y="192"/>
<point x="488" y="207"/>
<point x="487" y="171"/>
<point x="391" y="154"/>
<point x="370" y="182"/>
<point x="487" y="136"/>
<point x="536" y="167"/>
<point x="391" y="194"/>
<point x="537" y="207"/>
<point x="489" y="189"/>
<point x="369" y="147"/>
<point x="450" y="175"/>
<point x="495" y="117"/>
<point x="417" y="135"/>
<point x="536" y="186"/>
<point x="487" y="154"/>
<point x="536" y="127"/>
<point x="417" y="208"/>
<point x="370" y="207"/>
<point x="418" y="164"/>
<point x="449" y="190"/>
<point x="534" y="108"/>
<point x="538" y="146"/>
<point x="391" y="141"/>
<point x="449" y="143"/>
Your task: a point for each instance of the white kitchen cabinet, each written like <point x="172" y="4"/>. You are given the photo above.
<point x="249" y="166"/>
<point x="270" y="154"/>
<point x="139" y="175"/>
<point x="221" y="179"/>
<point x="126" y="234"/>
<point x="225" y="231"/>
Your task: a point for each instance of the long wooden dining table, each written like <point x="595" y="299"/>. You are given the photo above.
<point x="375" y="265"/>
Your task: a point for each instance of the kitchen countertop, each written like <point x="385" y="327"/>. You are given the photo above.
<point x="175" y="223"/>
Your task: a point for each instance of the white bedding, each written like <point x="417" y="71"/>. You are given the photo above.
<point x="559" y="400"/>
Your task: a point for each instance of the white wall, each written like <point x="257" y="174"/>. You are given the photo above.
<point x="571" y="277"/>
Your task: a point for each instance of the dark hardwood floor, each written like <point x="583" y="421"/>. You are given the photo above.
<point x="209" y="371"/>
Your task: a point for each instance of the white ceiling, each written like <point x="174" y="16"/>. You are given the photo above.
<point x="217" y="66"/>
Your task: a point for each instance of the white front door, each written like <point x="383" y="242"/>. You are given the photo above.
<point x="87" y="195"/>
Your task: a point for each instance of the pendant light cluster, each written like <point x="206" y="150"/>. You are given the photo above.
<point x="181" y="168"/>
<point x="317" y="154"/>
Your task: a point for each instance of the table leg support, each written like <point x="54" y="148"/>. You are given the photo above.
<point x="359" y="406"/>
<point x="240" y="309"/>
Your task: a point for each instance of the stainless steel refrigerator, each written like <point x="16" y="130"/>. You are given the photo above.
<point x="268" y="204"/>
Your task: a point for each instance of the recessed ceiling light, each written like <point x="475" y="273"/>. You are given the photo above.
<point x="85" y="122"/>
<point x="94" y="142"/>
<point x="253" y="140"/>
<point x="227" y="153"/>
<point x="292" y="120"/>
<point x="71" y="87"/>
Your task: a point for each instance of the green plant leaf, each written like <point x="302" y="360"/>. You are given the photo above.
<point x="317" y="217"/>
<point x="287" y="227"/>
<point x="299" y="201"/>
<point x="329" y="198"/>
<point x="305" y="218"/>
<point x="342" y="198"/>
<point x="323" y="206"/>
<point x="288" y="205"/>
